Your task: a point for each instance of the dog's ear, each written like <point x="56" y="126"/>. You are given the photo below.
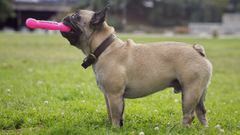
<point x="98" y="18"/>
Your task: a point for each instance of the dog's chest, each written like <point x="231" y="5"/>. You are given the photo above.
<point x="98" y="80"/>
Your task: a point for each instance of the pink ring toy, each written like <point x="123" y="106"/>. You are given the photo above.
<point x="48" y="25"/>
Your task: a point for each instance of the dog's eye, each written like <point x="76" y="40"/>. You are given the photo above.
<point x="78" y="18"/>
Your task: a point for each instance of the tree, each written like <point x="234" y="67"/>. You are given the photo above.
<point x="6" y="10"/>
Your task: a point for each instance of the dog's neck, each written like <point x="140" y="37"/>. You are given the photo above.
<point x="99" y="36"/>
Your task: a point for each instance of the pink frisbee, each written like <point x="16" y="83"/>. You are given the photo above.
<point x="48" y="25"/>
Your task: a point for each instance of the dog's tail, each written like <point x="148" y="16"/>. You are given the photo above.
<point x="200" y="49"/>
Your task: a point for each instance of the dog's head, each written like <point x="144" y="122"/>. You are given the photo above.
<point x="83" y="23"/>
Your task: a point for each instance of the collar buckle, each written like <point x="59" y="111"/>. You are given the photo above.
<point x="90" y="57"/>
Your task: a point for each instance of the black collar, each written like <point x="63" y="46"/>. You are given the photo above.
<point x="92" y="57"/>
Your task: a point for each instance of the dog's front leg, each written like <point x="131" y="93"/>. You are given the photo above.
<point x="108" y="108"/>
<point x="116" y="108"/>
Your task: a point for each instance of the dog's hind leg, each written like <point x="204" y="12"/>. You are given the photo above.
<point x="201" y="111"/>
<point x="190" y="97"/>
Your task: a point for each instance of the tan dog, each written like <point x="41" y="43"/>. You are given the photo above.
<point x="130" y="70"/>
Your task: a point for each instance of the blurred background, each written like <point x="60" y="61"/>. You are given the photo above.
<point x="195" y="17"/>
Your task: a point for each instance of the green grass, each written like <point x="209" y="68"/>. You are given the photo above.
<point x="44" y="90"/>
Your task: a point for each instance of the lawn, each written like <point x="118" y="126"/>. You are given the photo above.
<point x="44" y="90"/>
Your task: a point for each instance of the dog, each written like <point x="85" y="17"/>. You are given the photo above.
<point x="125" y="69"/>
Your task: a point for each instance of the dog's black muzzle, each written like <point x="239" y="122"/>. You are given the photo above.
<point x="75" y="33"/>
<point x="72" y="22"/>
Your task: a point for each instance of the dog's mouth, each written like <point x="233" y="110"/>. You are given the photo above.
<point x="72" y="22"/>
<point x="73" y="36"/>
